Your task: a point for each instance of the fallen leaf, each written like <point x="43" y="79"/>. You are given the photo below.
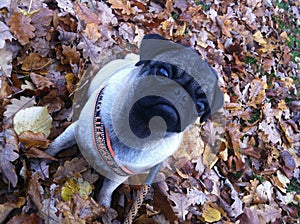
<point x="258" y="37"/>
<point x="7" y="207"/>
<point x="34" y="153"/>
<point x="25" y="219"/>
<point x="270" y="130"/>
<point x="34" y="62"/>
<point x="265" y="191"/>
<point x="40" y="81"/>
<point x="122" y="4"/>
<point x="42" y="22"/>
<point x="70" y="168"/>
<point x="92" y="32"/>
<point x="35" y="119"/>
<point x="85" y="14"/>
<point x="72" y="56"/>
<point x="66" y="5"/>
<point x="17" y="105"/>
<point x="35" y="191"/>
<point x="76" y="186"/>
<point x="4" y="34"/>
<point x="211" y="214"/>
<point x="267" y="213"/>
<point x="6" y="61"/>
<point x="181" y="204"/>
<point x="21" y="28"/>
<point x="8" y="154"/>
<point x="31" y="139"/>
<point x="196" y="197"/>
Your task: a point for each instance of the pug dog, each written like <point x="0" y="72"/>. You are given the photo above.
<point x="138" y="108"/>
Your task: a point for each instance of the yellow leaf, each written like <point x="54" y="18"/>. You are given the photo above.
<point x="258" y="37"/>
<point x="76" y="185"/>
<point x="211" y="214"/>
<point x="35" y="119"/>
<point x="281" y="181"/>
<point x="180" y="30"/>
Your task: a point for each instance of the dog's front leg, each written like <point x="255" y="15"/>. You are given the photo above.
<point x="63" y="141"/>
<point x="107" y="189"/>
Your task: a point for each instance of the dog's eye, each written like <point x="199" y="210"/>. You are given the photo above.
<point x="200" y="106"/>
<point x="162" y="72"/>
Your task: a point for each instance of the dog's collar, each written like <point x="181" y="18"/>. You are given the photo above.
<point x="102" y="141"/>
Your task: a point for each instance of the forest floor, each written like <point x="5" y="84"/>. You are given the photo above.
<point x="245" y="171"/>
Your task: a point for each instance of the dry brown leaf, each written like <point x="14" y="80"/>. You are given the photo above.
<point x="34" y="153"/>
<point x="40" y="81"/>
<point x="106" y="15"/>
<point x="70" y="168"/>
<point x="92" y="31"/>
<point x="18" y="104"/>
<point x="6" y="61"/>
<point x="21" y="28"/>
<point x="257" y="93"/>
<point x="66" y="5"/>
<point x="72" y="56"/>
<point x="34" y="61"/>
<point x="267" y="213"/>
<point x="80" y="210"/>
<point x="5" y="90"/>
<point x="235" y="136"/>
<point x="7" y="207"/>
<point x="122" y="4"/>
<point x="42" y="22"/>
<point x="31" y="139"/>
<point x="8" y="154"/>
<point x="25" y="219"/>
<point x="4" y="34"/>
<point x="35" y="191"/>
<point x="85" y="14"/>
<point x="181" y="4"/>
<point x="181" y="204"/>
<point x="270" y="131"/>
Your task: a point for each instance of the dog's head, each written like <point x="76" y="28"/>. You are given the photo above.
<point x="170" y="92"/>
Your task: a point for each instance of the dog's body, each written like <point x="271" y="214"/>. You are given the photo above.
<point x="119" y="96"/>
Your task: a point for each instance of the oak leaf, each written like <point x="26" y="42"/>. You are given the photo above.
<point x="6" y="61"/>
<point x="4" y="34"/>
<point x="69" y="169"/>
<point x="181" y="204"/>
<point x="21" y="28"/>
<point x="34" y="61"/>
<point x="257" y="93"/>
<point x="92" y="31"/>
<point x="122" y="4"/>
<point x="42" y="21"/>
<point x="18" y="104"/>
<point x="85" y="14"/>
<point x="31" y="139"/>
<point x="71" y="55"/>
<point x="40" y="81"/>
<point x="270" y="131"/>
<point x="8" y="154"/>
<point x="106" y="16"/>
<point x="7" y="207"/>
<point x="66" y="5"/>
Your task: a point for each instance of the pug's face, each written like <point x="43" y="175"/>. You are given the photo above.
<point x="174" y="97"/>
